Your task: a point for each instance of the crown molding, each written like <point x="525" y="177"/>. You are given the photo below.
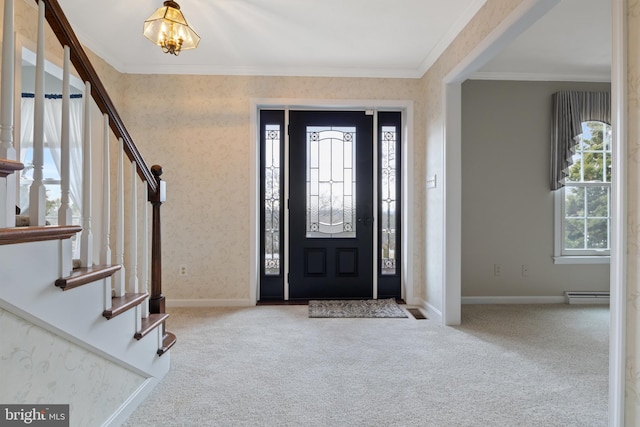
<point x="551" y="77"/>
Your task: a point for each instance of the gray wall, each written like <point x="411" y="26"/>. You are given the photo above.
<point x="507" y="206"/>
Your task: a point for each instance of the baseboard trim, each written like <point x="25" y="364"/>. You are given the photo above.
<point x="514" y="300"/>
<point x="431" y="312"/>
<point x="210" y="303"/>
<point x="128" y="406"/>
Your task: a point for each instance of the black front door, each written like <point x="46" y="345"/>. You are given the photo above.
<point x="330" y="205"/>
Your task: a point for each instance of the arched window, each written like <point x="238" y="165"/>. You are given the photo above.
<point x="583" y="226"/>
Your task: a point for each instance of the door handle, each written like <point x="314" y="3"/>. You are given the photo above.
<point x="366" y="220"/>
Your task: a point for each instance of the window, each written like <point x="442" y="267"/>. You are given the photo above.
<point x="389" y="191"/>
<point x="583" y="205"/>
<point x="331" y="182"/>
<point x="51" y="179"/>
<point x="52" y="162"/>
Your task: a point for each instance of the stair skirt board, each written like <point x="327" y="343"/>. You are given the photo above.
<point x="584" y="297"/>
<point x="130" y="405"/>
<point x="129" y="402"/>
<point x="160" y="367"/>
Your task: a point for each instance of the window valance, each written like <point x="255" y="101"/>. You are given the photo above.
<point x="570" y="109"/>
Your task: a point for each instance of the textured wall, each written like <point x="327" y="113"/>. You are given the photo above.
<point x="198" y="129"/>
<point x="633" y="215"/>
<point x="37" y="366"/>
<point x="205" y="146"/>
<point x="487" y="18"/>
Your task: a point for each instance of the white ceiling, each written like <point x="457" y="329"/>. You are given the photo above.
<point x="344" y="38"/>
<point x="572" y="42"/>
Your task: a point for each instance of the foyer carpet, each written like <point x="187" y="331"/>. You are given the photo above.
<point x="383" y="308"/>
<point x="507" y="365"/>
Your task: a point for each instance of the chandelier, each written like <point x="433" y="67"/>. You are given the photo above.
<point x="168" y="28"/>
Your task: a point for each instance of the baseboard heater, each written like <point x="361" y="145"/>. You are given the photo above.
<point x="576" y="297"/>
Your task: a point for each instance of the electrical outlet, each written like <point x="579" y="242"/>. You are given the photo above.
<point x="497" y="270"/>
<point x="525" y="270"/>
<point x="182" y="271"/>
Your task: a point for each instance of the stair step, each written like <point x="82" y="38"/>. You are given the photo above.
<point x="121" y="304"/>
<point x="168" y="341"/>
<point x="150" y="323"/>
<point x="13" y="235"/>
<point x="7" y="167"/>
<point x="82" y="276"/>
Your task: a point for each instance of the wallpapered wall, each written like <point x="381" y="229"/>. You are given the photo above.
<point x="487" y="18"/>
<point x="198" y="129"/>
<point x="633" y="215"/>
<point x="42" y="367"/>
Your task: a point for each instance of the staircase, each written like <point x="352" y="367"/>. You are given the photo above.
<point x="90" y="333"/>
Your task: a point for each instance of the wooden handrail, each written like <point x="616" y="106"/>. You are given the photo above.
<point x="67" y="37"/>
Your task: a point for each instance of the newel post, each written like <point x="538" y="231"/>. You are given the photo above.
<point x="156" y="299"/>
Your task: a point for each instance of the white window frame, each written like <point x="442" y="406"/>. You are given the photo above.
<point x="576" y="256"/>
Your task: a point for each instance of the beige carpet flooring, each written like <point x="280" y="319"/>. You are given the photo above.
<point x="507" y="365"/>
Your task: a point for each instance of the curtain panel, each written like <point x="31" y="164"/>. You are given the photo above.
<point x="569" y="110"/>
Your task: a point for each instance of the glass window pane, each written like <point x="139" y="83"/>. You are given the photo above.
<point x="598" y="234"/>
<point x="598" y="202"/>
<point x="574" y="234"/>
<point x="331" y="181"/>
<point x="388" y="223"/>
<point x="272" y="200"/>
<point x="574" y="174"/>
<point x="574" y="201"/>
<point x="593" y="167"/>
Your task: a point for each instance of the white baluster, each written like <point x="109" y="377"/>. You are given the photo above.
<point x="105" y="251"/>
<point x="37" y="191"/>
<point x="145" y="250"/>
<point x="105" y="244"/>
<point x="133" y="233"/>
<point x="86" y="236"/>
<point x="119" y="277"/>
<point x="7" y="150"/>
<point x="134" y="286"/>
<point x="64" y="213"/>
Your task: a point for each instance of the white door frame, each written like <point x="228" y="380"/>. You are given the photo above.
<point x="408" y="224"/>
<point x="528" y="12"/>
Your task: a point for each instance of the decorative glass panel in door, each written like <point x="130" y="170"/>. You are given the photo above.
<point x="271" y="198"/>
<point x="389" y="204"/>
<point x="331" y="182"/>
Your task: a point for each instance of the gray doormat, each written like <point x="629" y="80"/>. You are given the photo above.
<point x="385" y="308"/>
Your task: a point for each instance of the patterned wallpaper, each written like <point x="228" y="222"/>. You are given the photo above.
<point x="487" y="18"/>
<point x="198" y="129"/>
<point x="37" y="366"/>
<point x="632" y="406"/>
